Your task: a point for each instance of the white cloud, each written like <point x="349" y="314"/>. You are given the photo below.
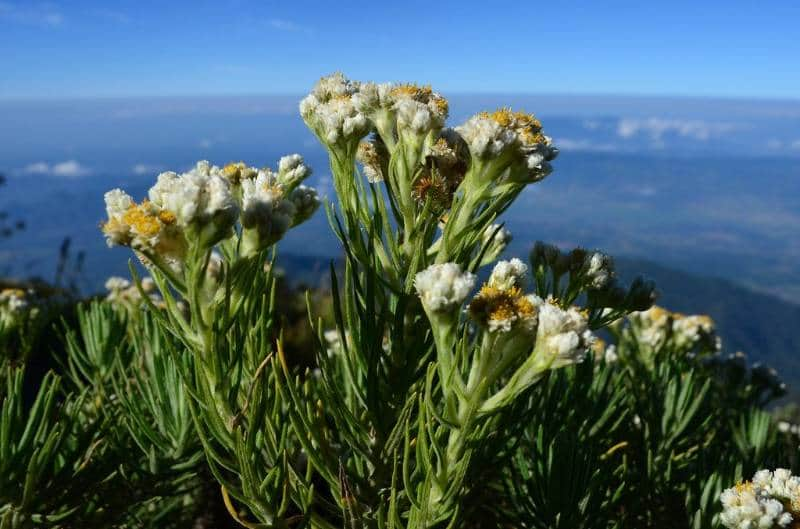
<point x="37" y="168"/>
<point x="656" y="128"/>
<point x="65" y="169"/>
<point x="43" y="15"/>
<point x="570" y="144"/>
<point x="287" y="25"/>
<point x="69" y="169"/>
<point x="206" y="143"/>
<point x="774" y="144"/>
<point x="145" y="169"/>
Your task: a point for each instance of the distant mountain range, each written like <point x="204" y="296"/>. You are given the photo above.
<point x="762" y="326"/>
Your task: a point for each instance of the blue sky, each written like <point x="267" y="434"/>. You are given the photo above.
<point x="735" y="48"/>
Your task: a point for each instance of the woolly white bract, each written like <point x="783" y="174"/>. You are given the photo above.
<point x="443" y="287"/>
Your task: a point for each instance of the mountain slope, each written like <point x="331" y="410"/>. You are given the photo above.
<point x="763" y="326"/>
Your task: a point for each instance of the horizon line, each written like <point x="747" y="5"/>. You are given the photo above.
<point x="458" y="93"/>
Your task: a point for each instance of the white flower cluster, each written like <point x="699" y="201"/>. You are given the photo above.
<point x="331" y="113"/>
<point x="196" y="197"/>
<point x="123" y="292"/>
<point x="292" y="170"/>
<point x="610" y="354"/>
<point x="599" y="269"/>
<point x="512" y="136"/>
<point x="16" y="307"/>
<point x="198" y="201"/>
<point x="770" y="500"/>
<point x="508" y="274"/>
<point x="418" y="110"/>
<point x="13" y="300"/>
<point x="563" y="336"/>
<point x="265" y="208"/>
<point x="340" y="110"/>
<point x="204" y="204"/>
<point x="443" y="287"/>
<point x="486" y="137"/>
<point x="656" y="325"/>
<point x="270" y="206"/>
<point x="501" y="305"/>
<point x="689" y="330"/>
<point x="789" y="428"/>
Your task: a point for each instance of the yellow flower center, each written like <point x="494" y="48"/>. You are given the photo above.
<point x="413" y="91"/>
<point x="743" y="486"/>
<point x="525" y="125"/>
<point x="497" y="304"/>
<point x="141" y="220"/>
<point x="166" y="217"/>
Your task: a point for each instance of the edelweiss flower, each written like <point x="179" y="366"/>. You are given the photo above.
<point x="513" y="138"/>
<point x="292" y="170"/>
<point x="16" y="308"/>
<point x="235" y="172"/>
<point x="306" y="202"/>
<point x="655" y="326"/>
<point x="420" y="110"/>
<point x="508" y="274"/>
<point x="563" y="336"/>
<point x="407" y="110"/>
<point x="331" y="113"/>
<point x="116" y="284"/>
<point x="144" y="227"/>
<point x="599" y="269"/>
<point x="200" y="199"/>
<point x="266" y="212"/>
<point x="122" y="291"/>
<point x="443" y="287"/>
<point x="770" y="500"/>
<point x="610" y="354"/>
<point x="13" y="300"/>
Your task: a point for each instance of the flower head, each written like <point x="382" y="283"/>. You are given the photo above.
<point x="267" y="213"/>
<point x="200" y="201"/>
<point x="403" y="110"/>
<point x="292" y="170"/>
<point x="14" y="300"/>
<point x="331" y="113"/>
<point x="770" y="500"/>
<point x="501" y="309"/>
<point x="599" y="269"/>
<point x="306" y="202"/>
<point x="145" y="227"/>
<point x="563" y="335"/>
<point x="656" y="327"/>
<point x="514" y="138"/>
<point x="122" y="292"/>
<point x="420" y="110"/>
<point x="235" y="172"/>
<point x="443" y="287"/>
<point x="508" y="274"/>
